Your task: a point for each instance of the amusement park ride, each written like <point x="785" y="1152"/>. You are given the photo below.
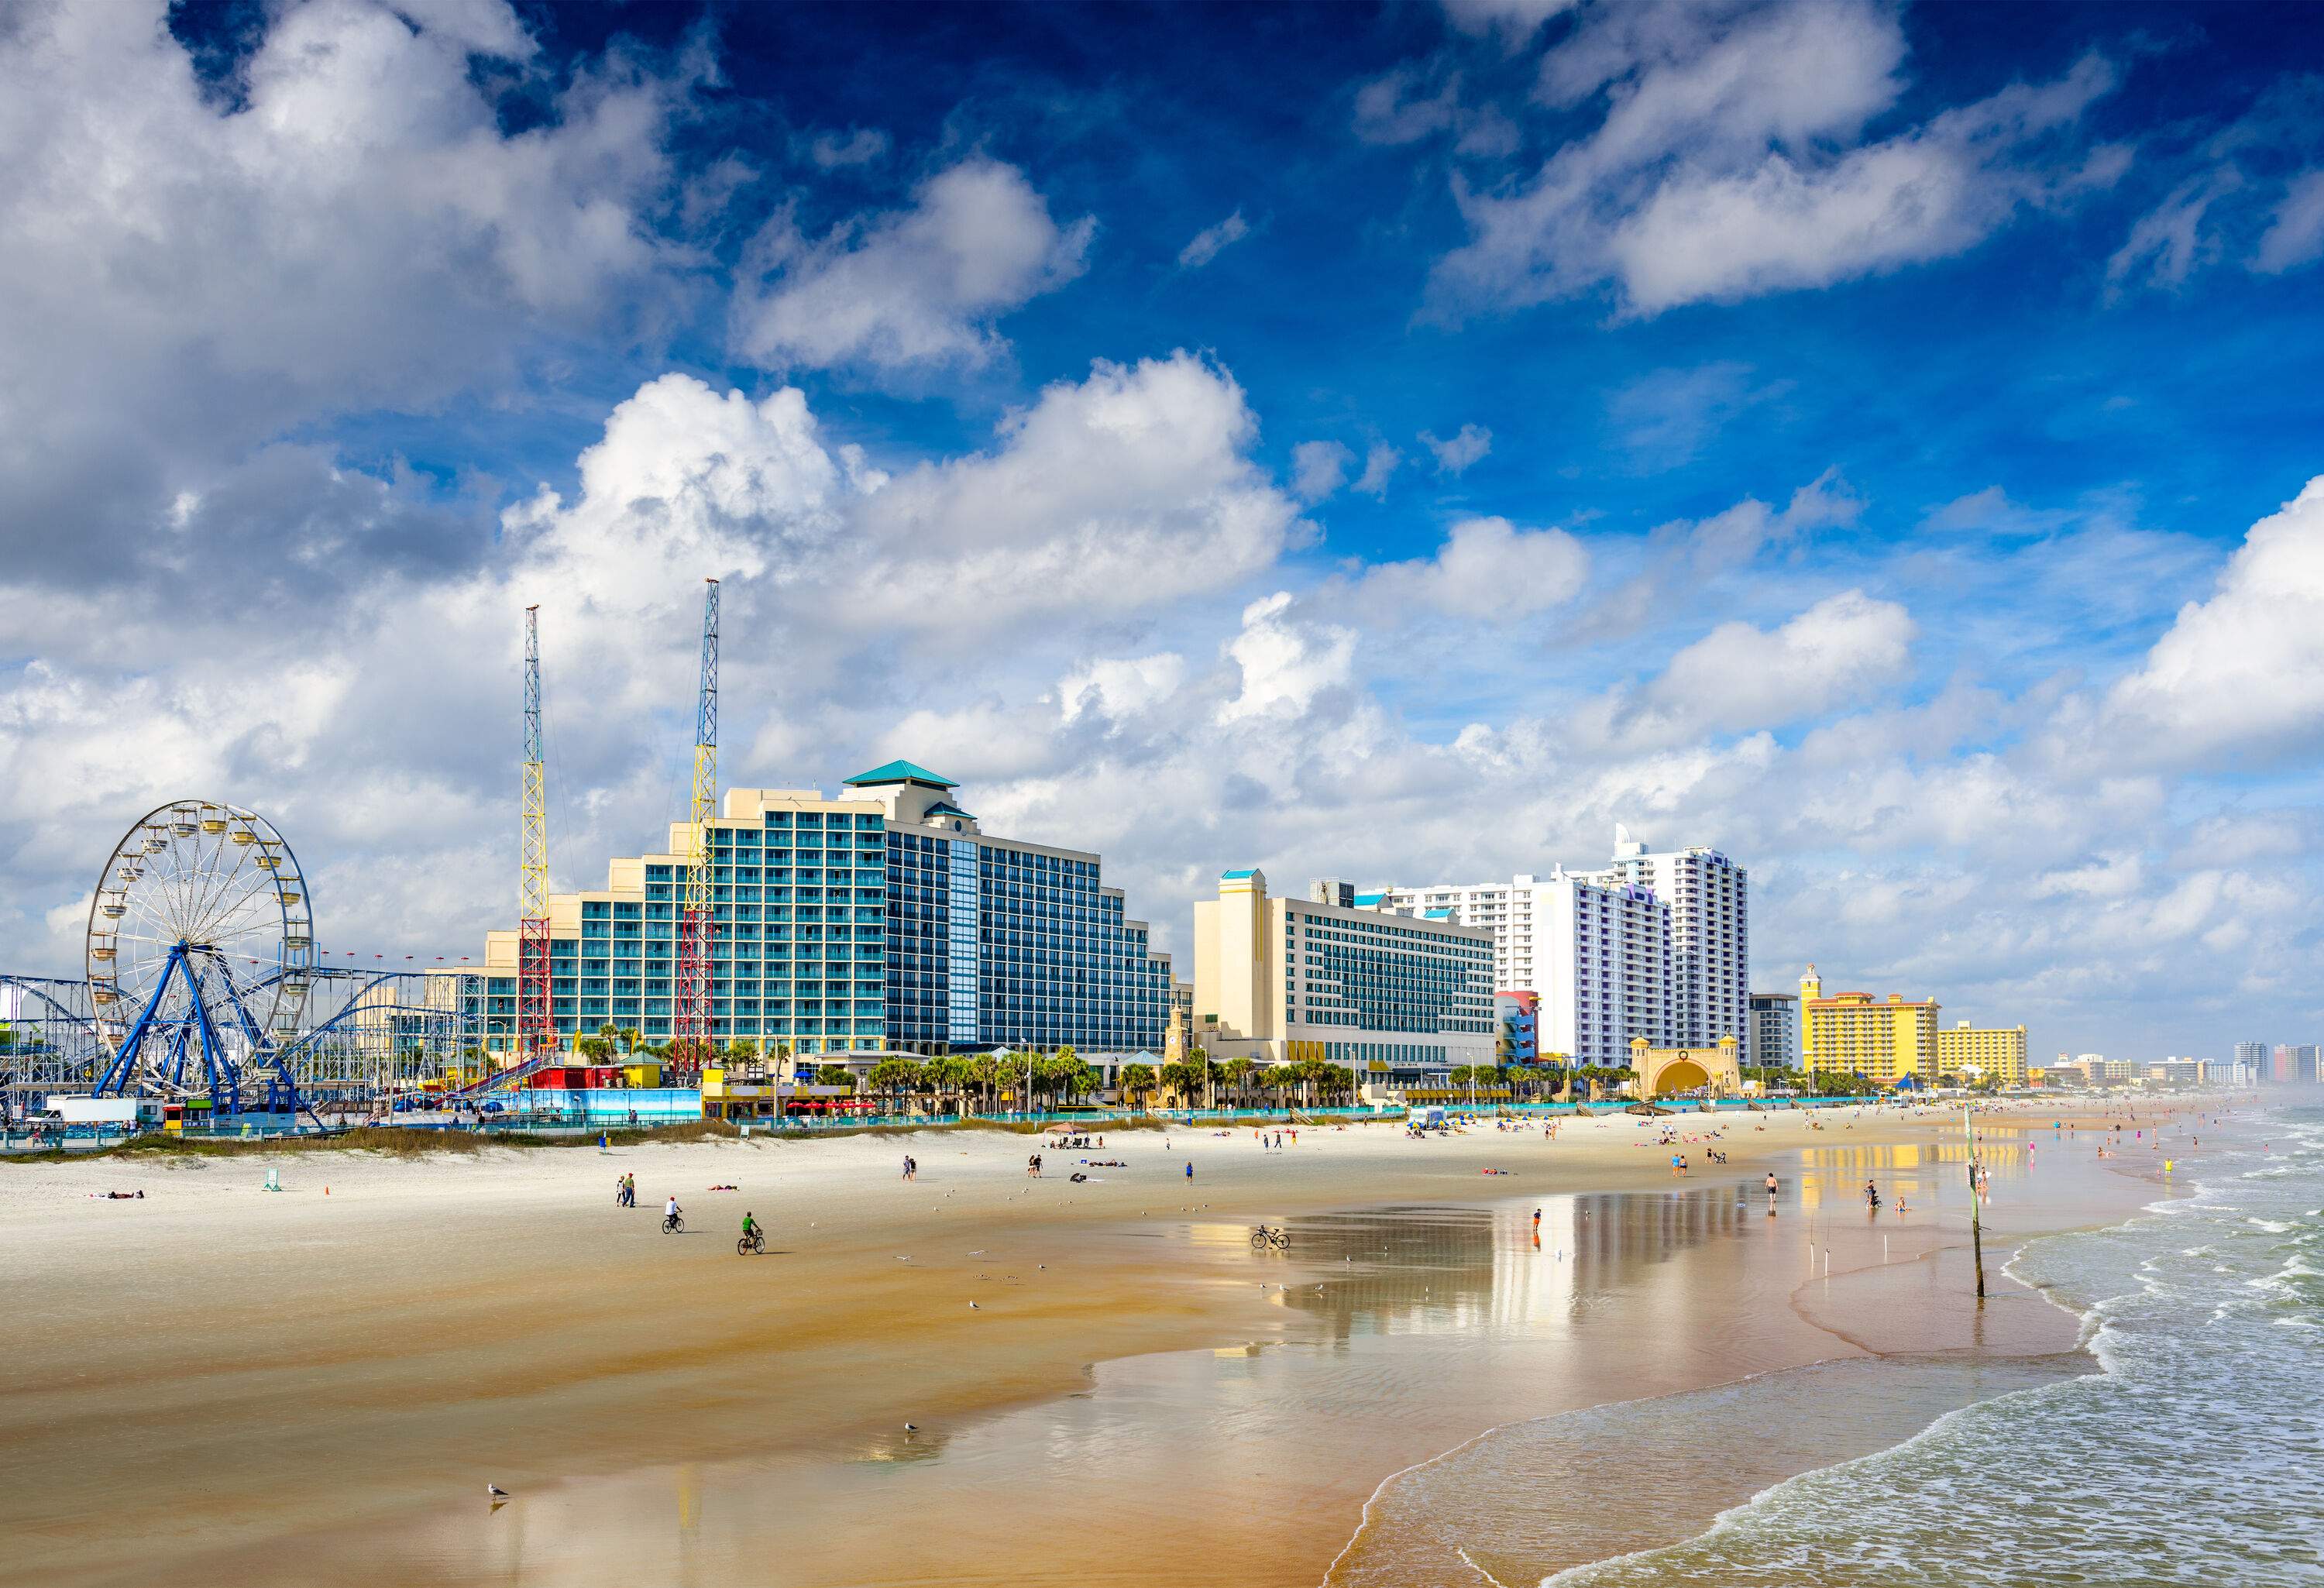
<point x="194" y="887"/>
<point x="204" y="988"/>
<point x="690" y="1023"/>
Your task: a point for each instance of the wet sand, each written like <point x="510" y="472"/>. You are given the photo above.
<point x="300" y="1388"/>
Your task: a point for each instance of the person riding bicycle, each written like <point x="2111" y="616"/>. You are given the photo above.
<point x="751" y="1230"/>
<point x="670" y="1212"/>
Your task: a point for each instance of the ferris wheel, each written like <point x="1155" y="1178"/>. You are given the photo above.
<point x="201" y="953"/>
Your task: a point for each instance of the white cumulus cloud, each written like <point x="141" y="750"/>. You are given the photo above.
<point x="1487" y="570"/>
<point x="1120" y="688"/>
<point x="922" y="285"/>
<point x="187" y="279"/>
<point x="1728" y="162"/>
<point x="1285" y="661"/>
<point x="1738" y="675"/>
<point x="2242" y="670"/>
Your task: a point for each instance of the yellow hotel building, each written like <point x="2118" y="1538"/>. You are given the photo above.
<point x="1855" y="1033"/>
<point x="1993" y="1052"/>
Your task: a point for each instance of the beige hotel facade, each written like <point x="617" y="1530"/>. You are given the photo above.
<point x="1400" y="999"/>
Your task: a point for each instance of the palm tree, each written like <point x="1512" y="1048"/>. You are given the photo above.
<point x="1063" y="1076"/>
<point x="1136" y="1081"/>
<point x="944" y="1075"/>
<point x="1236" y="1073"/>
<point x="1178" y="1080"/>
<point x="893" y="1075"/>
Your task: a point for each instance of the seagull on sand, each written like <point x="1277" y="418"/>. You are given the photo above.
<point x="495" y="1492"/>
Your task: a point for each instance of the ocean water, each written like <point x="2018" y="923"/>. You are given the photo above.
<point x="2194" y="1454"/>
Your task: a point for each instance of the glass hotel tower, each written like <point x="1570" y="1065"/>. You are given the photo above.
<point x="882" y="920"/>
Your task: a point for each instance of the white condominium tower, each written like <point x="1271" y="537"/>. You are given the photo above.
<point x="1710" y="898"/>
<point x="1656" y="944"/>
<point x="1597" y="953"/>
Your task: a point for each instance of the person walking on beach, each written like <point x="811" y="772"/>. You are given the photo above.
<point x="1770" y="1194"/>
<point x="1190" y="1168"/>
<point x="1871" y="1198"/>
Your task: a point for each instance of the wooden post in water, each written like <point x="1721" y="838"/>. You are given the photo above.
<point x="1976" y="1224"/>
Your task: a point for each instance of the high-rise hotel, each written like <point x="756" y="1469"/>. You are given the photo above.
<point x="1654" y="946"/>
<point x="1400" y="999"/>
<point x="1855" y="1034"/>
<point x="882" y="919"/>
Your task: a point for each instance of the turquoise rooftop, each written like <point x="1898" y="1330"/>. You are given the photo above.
<point x="900" y="772"/>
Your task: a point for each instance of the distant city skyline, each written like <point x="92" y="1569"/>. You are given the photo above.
<point x="1873" y="442"/>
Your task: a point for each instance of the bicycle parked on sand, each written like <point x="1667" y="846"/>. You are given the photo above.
<point x="1262" y="1238"/>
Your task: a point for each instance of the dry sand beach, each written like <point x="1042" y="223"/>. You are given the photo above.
<point x="1108" y="1384"/>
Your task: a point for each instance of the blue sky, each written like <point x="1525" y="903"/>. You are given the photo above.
<point x="1396" y="442"/>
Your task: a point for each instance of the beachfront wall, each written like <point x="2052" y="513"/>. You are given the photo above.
<point x="652" y="1106"/>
